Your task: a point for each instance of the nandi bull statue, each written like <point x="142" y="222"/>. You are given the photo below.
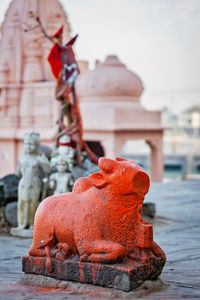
<point x="96" y="234"/>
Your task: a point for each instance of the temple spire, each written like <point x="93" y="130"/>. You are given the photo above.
<point x="23" y="54"/>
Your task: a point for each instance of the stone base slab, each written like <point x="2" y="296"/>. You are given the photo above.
<point x="124" y="276"/>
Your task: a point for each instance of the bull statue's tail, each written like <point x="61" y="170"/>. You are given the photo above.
<point x="157" y="251"/>
<point x="43" y="249"/>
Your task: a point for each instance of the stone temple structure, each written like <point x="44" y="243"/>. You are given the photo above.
<point x="112" y="113"/>
<point x="27" y="86"/>
<point x="109" y="95"/>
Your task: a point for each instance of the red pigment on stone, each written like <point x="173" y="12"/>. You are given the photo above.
<point x="100" y="221"/>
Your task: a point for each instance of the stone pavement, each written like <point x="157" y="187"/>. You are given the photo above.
<point x="176" y="230"/>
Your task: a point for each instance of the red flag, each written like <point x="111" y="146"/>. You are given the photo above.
<point x="58" y="33"/>
<point x="54" y="60"/>
<point x="72" y="41"/>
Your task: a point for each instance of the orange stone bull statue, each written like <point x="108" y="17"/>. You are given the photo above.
<point x="100" y="221"/>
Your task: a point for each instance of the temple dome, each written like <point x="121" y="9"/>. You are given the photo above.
<point x="110" y="79"/>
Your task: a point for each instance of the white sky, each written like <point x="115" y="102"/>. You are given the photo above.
<point x="157" y="39"/>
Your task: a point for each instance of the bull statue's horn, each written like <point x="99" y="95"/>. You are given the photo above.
<point x="106" y="164"/>
<point x="121" y="159"/>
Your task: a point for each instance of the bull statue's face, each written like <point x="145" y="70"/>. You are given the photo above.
<point x="121" y="177"/>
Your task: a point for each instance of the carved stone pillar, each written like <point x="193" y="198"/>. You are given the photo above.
<point x="156" y="162"/>
<point x="119" y="143"/>
<point x="112" y="145"/>
<point x="108" y="144"/>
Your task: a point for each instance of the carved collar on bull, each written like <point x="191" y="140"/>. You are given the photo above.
<point x="65" y="69"/>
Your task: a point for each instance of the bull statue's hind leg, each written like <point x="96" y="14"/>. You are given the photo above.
<point x="63" y="251"/>
<point x="103" y="251"/>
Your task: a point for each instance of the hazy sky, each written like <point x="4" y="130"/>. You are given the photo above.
<point x="157" y="39"/>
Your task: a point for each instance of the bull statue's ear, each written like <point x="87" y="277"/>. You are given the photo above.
<point x="141" y="183"/>
<point x="106" y="164"/>
<point x="98" y="179"/>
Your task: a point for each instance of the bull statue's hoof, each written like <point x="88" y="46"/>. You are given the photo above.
<point x="96" y="233"/>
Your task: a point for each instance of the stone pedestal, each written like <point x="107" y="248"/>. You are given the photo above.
<point x="124" y="276"/>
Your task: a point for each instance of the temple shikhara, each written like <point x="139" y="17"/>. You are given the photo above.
<point x="109" y="95"/>
<point x="27" y="85"/>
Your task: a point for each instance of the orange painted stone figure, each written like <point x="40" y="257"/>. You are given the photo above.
<point x="97" y="230"/>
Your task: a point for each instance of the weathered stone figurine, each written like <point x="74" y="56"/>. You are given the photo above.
<point x="96" y="233"/>
<point x="61" y="181"/>
<point x="33" y="168"/>
<point x="64" y="152"/>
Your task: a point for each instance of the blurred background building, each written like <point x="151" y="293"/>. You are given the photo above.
<point x="113" y="107"/>
<point x="27" y="86"/>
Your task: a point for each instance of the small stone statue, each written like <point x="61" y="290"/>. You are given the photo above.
<point x="64" y="151"/>
<point x="33" y="168"/>
<point x="62" y="180"/>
